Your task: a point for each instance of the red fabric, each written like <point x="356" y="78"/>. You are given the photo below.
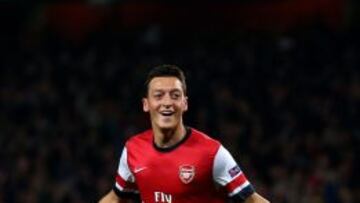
<point x="160" y="174"/>
<point x="238" y="181"/>
<point x="120" y="181"/>
<point x="124" y="184"/>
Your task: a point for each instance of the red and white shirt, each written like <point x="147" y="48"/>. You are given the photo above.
<point x="197" y="169"/>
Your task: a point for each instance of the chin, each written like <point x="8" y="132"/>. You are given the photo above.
<point x="166" y="126"/>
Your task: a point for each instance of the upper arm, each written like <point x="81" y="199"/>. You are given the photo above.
<point x="125" y="180"/>
<point x="256" y="198"/>
<point x="125" y="186"/>
<point x="111" y="197"/>
<point x="228" y="174"/>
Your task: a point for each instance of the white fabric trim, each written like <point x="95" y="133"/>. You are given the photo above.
<point x="119" y="187"/>
<point x="238" y="189"/>
<point x="124" y="189"/>
<point x="239" y="174"/>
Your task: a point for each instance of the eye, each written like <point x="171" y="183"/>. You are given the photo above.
<point x="157" y="95"/>
<point x="175" y="95"/>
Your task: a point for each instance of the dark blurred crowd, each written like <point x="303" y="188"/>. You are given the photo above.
<point x="287" y="106"/>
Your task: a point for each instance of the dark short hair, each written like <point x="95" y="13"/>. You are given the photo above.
<point x="165" y="70"/>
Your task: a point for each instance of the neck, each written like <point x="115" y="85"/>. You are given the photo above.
<point x="168" y="137"/>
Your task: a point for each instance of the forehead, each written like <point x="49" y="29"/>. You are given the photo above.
<point x="165" y="83"/>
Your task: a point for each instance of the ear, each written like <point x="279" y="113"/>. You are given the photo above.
<point x="145" y="103"/>
<point x="186" y="104"/>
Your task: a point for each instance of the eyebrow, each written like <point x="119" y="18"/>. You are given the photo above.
<point x="171" y="90"/>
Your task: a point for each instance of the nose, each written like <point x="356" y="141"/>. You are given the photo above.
<point x="167" y="101"/>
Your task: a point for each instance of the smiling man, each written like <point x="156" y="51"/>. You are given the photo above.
<point x="173" y="163"/>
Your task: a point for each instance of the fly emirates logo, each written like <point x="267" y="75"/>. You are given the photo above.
<point x="162" y="197"/>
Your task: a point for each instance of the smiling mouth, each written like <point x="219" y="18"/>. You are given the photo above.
<point x="167" y="113"/>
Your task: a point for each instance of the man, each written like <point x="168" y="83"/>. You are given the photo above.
<point x="172" y="163"/>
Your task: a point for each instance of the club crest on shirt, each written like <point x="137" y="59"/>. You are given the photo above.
<point x="186" y="173"/>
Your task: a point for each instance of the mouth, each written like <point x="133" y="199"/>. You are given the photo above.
<point x="167" y="113"/>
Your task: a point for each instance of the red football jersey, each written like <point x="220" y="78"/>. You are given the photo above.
<point x="197" y="169"/>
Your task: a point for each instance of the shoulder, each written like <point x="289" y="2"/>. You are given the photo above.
<point x="203" y="137"/>
<point x="141" y="138"/>
<point x="204" y="140"/>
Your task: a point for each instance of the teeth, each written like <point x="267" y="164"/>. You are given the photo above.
<point x="168" y="113"/>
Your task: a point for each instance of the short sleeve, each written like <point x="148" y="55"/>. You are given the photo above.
<point x="125" y="180"/>
<point x="227" y="173"/>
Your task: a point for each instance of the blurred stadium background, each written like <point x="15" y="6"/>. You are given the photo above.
<point x="277" y="81"/>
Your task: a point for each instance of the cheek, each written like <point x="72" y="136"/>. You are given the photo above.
<point x="153" y="106"/>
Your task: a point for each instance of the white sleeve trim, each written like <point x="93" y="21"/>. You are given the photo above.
<point x="238" y="189"/>
<point x="119" y="187"/>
